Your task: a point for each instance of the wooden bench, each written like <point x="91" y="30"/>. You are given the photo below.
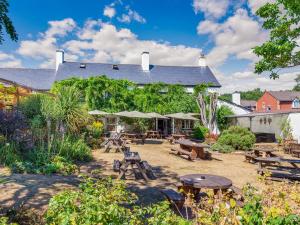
<point x="280" y="174"/>
<point x="180" y="151"/>
<point x="175" y="198"/>
<point x="149" y="172"/>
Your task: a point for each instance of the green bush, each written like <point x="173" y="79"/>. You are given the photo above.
<point x="222" y="148"/>
<point x="238" y="138"/>
<point x="73" y="148"/>
<point x="9" y="154"/>
<point x="105" y="201"/>
<point x="199" y="132"/>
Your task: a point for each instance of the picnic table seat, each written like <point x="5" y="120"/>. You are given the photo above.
<point x="180" y="151"/>
<point x="295" y="153"/>
<point x="149" y="171"/>
<point x="117" y="165"/>
<point x="175" y="198"/>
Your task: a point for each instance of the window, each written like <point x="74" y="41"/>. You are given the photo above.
<point x="269" y="108"/>
<point x="186" y="124"/>
<point x="296" y="104"/>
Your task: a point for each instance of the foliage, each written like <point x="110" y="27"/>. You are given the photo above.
<point x="286" y="129"/>
<point x="6" y="23"/>
<point x="222" y="148"/>
<point x="238" y="138"/>
<point x="222" y="120"/>
<point x="11" y="124"/>
<point x="105" y="201"/>
<point x="200" y="132"/>
<point x="66" y="108"/>
<point x="31" y="105"/>
<point x="95" y="129"/>
<point x="9" y="154"/>
<point x="119" y="95"/>
<point x="254" y="94"/>
<point x="282" y="50"/>
<point x="297" y="86"/>
<point x="72" y="148"/>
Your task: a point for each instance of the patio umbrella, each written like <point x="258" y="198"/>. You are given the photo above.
<point x="182" y="116"/>
<point x="156" y="115"/>
<point x="98" y="112"/>
<point x="133" y="114"/>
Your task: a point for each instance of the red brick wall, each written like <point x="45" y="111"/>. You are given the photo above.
<point x="285" y="105"/>
<point x="266" y="101"/>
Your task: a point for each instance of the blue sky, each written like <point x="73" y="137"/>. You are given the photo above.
<point x="174" y="31"/>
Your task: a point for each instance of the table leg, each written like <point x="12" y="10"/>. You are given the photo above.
<point x="142" y="171"/>
<point x="123" y="170"/>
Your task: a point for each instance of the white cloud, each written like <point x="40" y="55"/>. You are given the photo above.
<point x="254" y="5"/>
<point x="109" y="44"/>
<point x="44" y="47"/>
<point x="236" y="36"/>
<point x="247" y="80"/>
<point x="109" y="11"/>
<point x="130" y="16"/>
<point x="211" y="8"/>
<point x="9" y="60"/>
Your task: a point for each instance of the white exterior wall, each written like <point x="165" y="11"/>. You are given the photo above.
<point x="235" y="109"/>
<point x="295" y="124"/>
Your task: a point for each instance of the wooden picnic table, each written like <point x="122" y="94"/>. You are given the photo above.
<point x="114" y="141"/>
<point x="193" y="183"/>
<point x="134" y="137"/>
<point x="192" y="149"/>
<point x="132" y="159"/>
<point x="153" y="134"/>
<point x="264" y="152"/>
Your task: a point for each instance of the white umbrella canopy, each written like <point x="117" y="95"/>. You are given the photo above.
<point x="181" y="116"/>
<point x="133" y="114"/>
<point x="156" y="115"/>
<point x="98" y="112"/>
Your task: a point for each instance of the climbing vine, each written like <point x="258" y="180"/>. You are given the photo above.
<point x="118" y="95"/>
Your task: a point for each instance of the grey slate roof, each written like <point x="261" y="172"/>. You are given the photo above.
<point x="285" y="96"/>
<point x="248" y="103"/>
<point x="36" y="79"/>
<point x="184" y="75"/>
<point x="42" y="79"/>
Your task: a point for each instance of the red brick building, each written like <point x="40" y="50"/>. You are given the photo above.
<point x="276" y="101"/>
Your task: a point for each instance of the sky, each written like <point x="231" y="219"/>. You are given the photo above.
<point x="175" y="32"/>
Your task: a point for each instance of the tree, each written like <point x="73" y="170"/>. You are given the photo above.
<point x="207" y="103"/>
<point x="282" y="18"/>
<point x="222" y="119"/>
<point x="297" y="87"/>
<point x="6" y="23"/>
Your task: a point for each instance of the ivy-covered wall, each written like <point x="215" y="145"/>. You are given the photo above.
<point x="110" y="95"/>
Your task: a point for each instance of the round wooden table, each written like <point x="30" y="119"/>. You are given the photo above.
<point x="207" y="181"/>
<point x="193" y="183"/>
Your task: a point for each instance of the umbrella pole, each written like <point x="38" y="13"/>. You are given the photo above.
<point x="173" y="126"/>
<point x="156" y="124"/>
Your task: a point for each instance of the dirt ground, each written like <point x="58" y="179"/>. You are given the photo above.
<point x="36" y="190"/>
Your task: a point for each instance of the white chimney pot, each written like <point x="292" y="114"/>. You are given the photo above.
<point x="145" y="61"/>
<point x="202" y="61"/>
<point x="59" y="58"/>
<point x="236" y="98"/>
